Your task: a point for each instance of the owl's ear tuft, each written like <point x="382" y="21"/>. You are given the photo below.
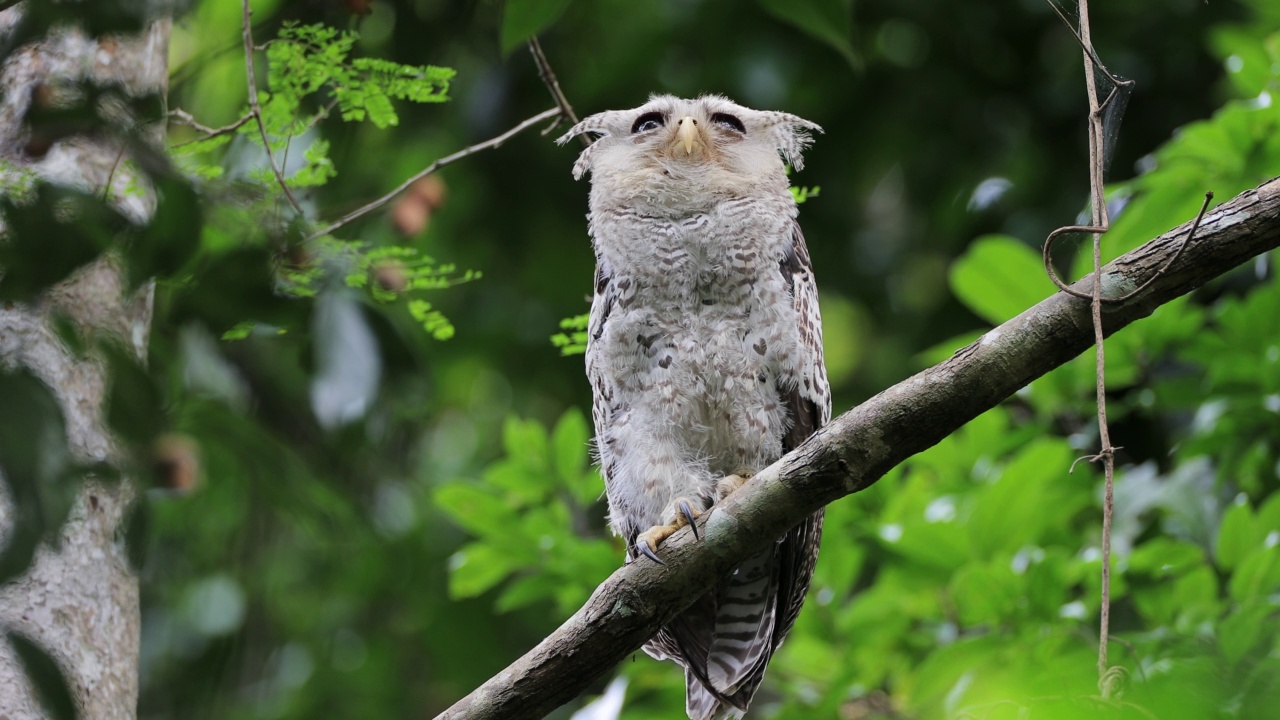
<point x="791" y="135"/>
<point x="590" y="126"/>
<point x="593" y="126"/>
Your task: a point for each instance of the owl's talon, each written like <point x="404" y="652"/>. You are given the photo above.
<point x="643" y="548"/>
<point x="729" y="483"/>
<point x="682" y="513"/>
<point x="648" y="541"/>
<point x="690" y="517"/>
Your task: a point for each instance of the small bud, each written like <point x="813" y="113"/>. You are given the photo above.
<point x="391" y="276"/>
<point x="432" y="190"/>
<point x="175" y="463"/>
<point x="410" y="215"/>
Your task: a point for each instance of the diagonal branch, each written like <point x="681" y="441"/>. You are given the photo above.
<point x="489" y="144"/>
<point x="856" y="449"/>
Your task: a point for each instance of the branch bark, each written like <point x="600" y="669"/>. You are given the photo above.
<point x="858" y="448"/>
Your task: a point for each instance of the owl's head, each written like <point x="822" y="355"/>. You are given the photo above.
<point x="706" y="138"/>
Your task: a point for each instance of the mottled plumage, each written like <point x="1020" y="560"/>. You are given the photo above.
<point x="704" y="353"/>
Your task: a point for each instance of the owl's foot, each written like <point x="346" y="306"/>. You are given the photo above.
<point x="647" y="542"/>
<point x="729" y="483"/>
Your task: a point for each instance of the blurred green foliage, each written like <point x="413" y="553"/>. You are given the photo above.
<point x="381" y="520"/>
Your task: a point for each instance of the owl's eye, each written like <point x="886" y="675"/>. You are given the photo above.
<point x="648" y="121"/>
<point x="730" y="121"/>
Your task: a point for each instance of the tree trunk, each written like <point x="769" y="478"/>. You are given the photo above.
<point x="79" y="602"/>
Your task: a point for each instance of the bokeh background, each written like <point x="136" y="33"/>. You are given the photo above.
<point x="384" y="564"/>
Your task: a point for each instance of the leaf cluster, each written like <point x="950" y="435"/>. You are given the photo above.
<point x="310" y="72"/>
<point x="305" y="59"/>
<point x="523" y="511"/>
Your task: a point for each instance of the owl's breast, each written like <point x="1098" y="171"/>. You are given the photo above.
<point x="703" y="335"/>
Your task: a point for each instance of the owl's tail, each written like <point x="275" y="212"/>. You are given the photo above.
<point x="720" y="683"/>
<point x="725" y="639"/>
<point x="703" y="704"/>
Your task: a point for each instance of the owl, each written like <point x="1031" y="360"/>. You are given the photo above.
<point x="704" y="353"/>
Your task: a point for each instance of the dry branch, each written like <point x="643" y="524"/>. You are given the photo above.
<point x="255" y="109"/>
<point x="859" y="447"/>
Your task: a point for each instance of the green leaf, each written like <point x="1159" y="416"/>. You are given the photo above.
<point x="573" y="342"/>
<point x="1163" y="556"/>
<point x="36" y="464"/>
<point x="1156" y="605"/>
<point x="526" y="442"/>
<point x="801" y="194"/>
<point x="999" y="277"/>
<point x="319" y="168"/>
<point x="1036" y="489"/>
<point x="46" y="676"/>
<point x="1047" y="586"/>
<point x="1257" y="575"/>
<point x="569" y="445"/>
<point x="1269" y="515"/>
<point x="827" y="20"/>
<point x="1248" y="67"/>
<point x="81" y="223"/>
<point x="433" y="321"/>
<point x="477" y="567"/>
<point x="204" y="298"/>
<point x="520" y="485"/>
<point x="1236" y="536"/>
<point x="1196" y="596"/>
<point x="473" y="508"/>
<point x="134" y="404"/>
<point x="522" y="19"/>
<point x="1240" y="631"/>
<point x="525" y="591"/>
<point x="985" y="593"/>
<point x="172" y="236"/>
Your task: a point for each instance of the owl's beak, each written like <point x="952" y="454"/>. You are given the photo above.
<point x="687" y="134"/>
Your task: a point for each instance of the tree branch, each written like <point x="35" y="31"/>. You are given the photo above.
<point x="856" y="449"/>
<point x="255" y="109"/>
<point x="553" y="86"/>
<point x="489" y="144"/>
<point x="182" y="117"/>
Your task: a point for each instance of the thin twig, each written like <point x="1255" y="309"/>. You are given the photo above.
<point x="255" y="110"/>
<point x="182" y="117"/>
<point x="319" y="116"/>
<point x="446" y="160"/>
<point x="553" y="86"/>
